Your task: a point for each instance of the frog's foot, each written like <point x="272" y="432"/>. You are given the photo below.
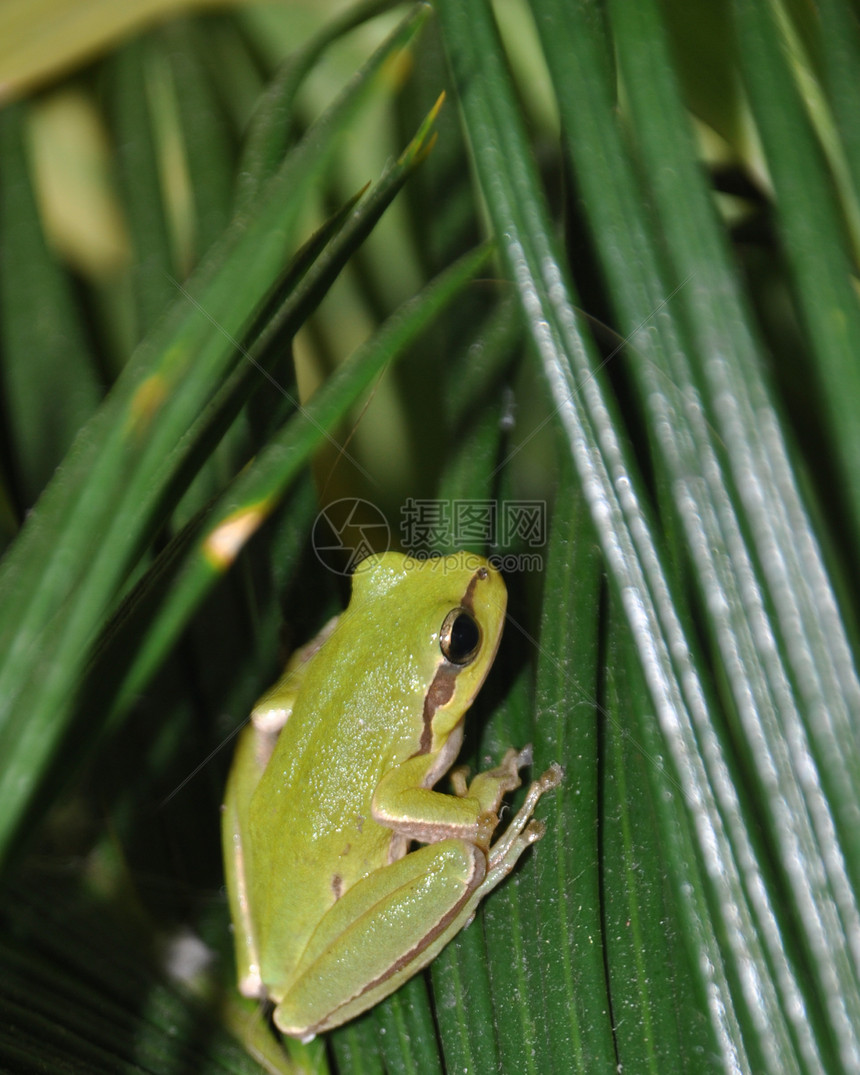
<point x="523" y="829"/>
<point x="490" y="787"/>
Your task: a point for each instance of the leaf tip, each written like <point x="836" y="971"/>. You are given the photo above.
<point x="225" y="542"/>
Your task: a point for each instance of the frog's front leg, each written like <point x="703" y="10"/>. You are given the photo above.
<point x="491" y="786"/>
<point x="404" y="802"/>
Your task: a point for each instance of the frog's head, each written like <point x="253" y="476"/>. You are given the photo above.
<point x="446" y="616"/>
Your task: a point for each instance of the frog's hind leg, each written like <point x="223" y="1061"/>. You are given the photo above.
<point x="379" y="933"/>
<point x="394" y="922"/>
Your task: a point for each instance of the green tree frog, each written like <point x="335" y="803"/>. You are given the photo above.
<point x="332" y="782"/>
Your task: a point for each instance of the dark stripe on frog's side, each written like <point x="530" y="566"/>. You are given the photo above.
<point x="468" y="602"/>
<point x="441" y="689"/>
<point x="440" y="693"/>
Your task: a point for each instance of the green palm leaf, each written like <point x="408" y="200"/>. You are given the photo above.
<point x="687" y="650"/>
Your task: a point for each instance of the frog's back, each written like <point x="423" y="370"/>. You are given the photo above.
<point x="312" y="832"/>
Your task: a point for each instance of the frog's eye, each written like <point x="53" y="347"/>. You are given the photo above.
<point x="460" y="637"/>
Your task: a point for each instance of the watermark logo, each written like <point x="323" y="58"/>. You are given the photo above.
<point x="427" y="525"/>
<point x="349" y="530"/>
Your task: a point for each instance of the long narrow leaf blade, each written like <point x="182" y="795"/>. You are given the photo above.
<point x="633" y="557"/>
<point x="258" y="490"/>
<point x="95" y="517"/>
